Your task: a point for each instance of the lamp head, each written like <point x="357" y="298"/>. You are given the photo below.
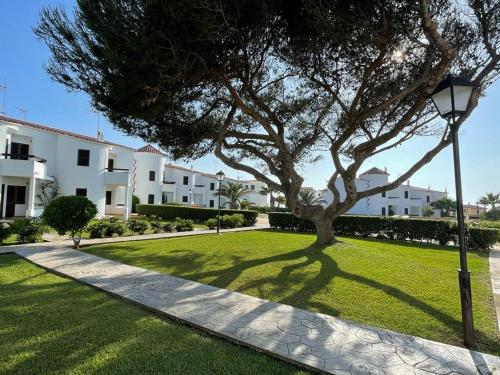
<point x="452" y="95"/>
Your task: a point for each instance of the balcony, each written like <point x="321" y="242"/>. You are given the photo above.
<point x="116" y="176"/>
<point x="23" y="166"/>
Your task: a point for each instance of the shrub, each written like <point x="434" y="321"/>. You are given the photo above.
<point x="137" y="226"/>
<point x="156" y="226"/>
<point x="427" y="211"/>
<point x="5" y="232"/>
<point x="167" y="227"/>
<point x="492" y="215"/>
<point x="28" y="229"/>
<point x="97" y="228"/>
<point x="70" y="214"/>
<point x="232" y="221"/>
<point x="426" y="230"/>
<point x="114" y="226"/>
<point x="482" y="238"/>
<point x="183" y="225"/>
<point x="198" y="215"/>
<point x="211" y="223"/>
<point x="135" y="202"/>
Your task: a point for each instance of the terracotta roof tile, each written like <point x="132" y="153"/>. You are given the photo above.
<point x="374" y="170"/>
<point x="59" y="131"/>
<point x="149" y="148"/>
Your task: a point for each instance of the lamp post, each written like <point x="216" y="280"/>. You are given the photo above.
<point x="451" y="98"/>
<point x="190" y="192"/>
<point x="220" y="178"/>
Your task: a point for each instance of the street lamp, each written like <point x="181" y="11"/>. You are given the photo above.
<point x="190" y="192"/>
<point x="220" y="178"/>
<point x="451" y="98"/>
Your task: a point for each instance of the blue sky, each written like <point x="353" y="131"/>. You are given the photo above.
<point x="21" y="63"/>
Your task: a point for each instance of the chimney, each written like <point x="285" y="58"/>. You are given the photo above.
<point x="408" y="182"/>
<point x="100" y="136"/>
<point x="429" y="187"/>
<point x="385" y="169"/>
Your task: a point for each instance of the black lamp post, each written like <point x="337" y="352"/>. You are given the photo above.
<point x="451" y="98"/>
<point x="220" y="178"/>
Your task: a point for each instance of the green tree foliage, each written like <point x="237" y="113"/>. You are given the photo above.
<point x="309" y="198"/>
<point x="270" y="85"/>
<point x="490" y="199"/>
<point x="446" y="205"/>
<point x="70" y="214"/>
<point x="234" y="192"/>
<point x="427" y="211"/>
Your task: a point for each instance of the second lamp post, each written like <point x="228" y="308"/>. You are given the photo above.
<point x="220" y="178"/>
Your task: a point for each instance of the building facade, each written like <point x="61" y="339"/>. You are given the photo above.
<point x="106" y="173"/>
<point x="405" y="200"/>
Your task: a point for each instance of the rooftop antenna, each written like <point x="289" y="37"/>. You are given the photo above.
<point x="23" y="111"/>
<point x="4" y="88"/>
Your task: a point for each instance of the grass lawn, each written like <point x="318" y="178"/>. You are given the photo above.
<point x="49" y="324"/>
<point x="404" y="287"/>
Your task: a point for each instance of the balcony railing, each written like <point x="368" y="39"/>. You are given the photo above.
<point x="116" y="169"/>
<point x="24" y="157"/>
<point x="168" y="182"/>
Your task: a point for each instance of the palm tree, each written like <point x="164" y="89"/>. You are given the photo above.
<point x="246" y="204"/>
<point x="445" y="205"/>
<point x="271" y="191"/>
<point x="308" y="198"/>
<point x="280" y="200"/>
<point x="490" y="199"/>
<point x="233" y="191"/>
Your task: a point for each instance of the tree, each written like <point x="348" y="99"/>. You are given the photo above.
<point x="233" y="191"/>
<point x="280" y="200"/>
<point x="490" y="199"/>
<point x="70" y="214"/>
<point x="246" y="204"/>
<point x="48" y="191"/>
<point x="269" y="191"/>
<point x="427" y="211"/>
<point x="445" y="204"/>
<point x="271" y="86"/>
<point x="308" y="198"/>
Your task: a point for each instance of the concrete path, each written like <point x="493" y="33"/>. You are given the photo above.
<point x="315" y="341"/>
<point x="495" y="279"/>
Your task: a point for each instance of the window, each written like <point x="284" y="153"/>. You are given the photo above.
<point x="383" y="211"/>
<point x="246" y="186"/>
<point x="185" y="180"/>
<point x="383" y="194"/>
<point x="428" y="199"/>
<point x="212" y="186"/>
<point x="152" y="175"/>
<point x="406" y="211"/>
<point x="252" y="187"/>
<point x="108" y="198"/>
<point x="406" y="194"/>
<point x="81" y="192"/>
<point x="111" y="164"/>
<point x="184" y="198"/>
<point x="212" y="203"/>
<point x="151" y="199"/>
<point x="19" y="151"/>
<point x="83" y="158"/>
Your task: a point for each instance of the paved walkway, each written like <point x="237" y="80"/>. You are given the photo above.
<point x="495" y="279"/>
<point x="315" y="341"/>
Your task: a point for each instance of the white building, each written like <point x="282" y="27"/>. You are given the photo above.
<point x="403" y="200"/>
<point x="105" y="172"/>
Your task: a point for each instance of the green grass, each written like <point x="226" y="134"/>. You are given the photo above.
<point x="404" y="287"/>
<point x="49" y="324"/>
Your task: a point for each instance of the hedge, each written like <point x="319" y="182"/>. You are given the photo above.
<point x="426" y="230"/>
<point x="198" y="215"/>
<point x="266" y="209"/>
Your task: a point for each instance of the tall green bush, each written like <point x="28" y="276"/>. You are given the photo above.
<point x="28" y="230"/>
<point x="70" y="214"/>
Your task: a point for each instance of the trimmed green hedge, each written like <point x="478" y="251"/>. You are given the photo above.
<point x="266" y="209"/>
<point x="425" y="230"/>
<point x="198" y="215"/>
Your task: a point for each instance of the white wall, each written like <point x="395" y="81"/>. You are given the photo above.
<point x="142" y="187"/>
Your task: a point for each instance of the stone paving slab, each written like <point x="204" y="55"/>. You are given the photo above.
<point x="495" y="279"/>
<point x="315" y="341"/>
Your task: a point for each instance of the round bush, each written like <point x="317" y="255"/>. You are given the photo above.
<point x="70" y="214"/>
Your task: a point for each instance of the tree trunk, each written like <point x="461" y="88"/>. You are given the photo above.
<point x="324" y="231"/>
